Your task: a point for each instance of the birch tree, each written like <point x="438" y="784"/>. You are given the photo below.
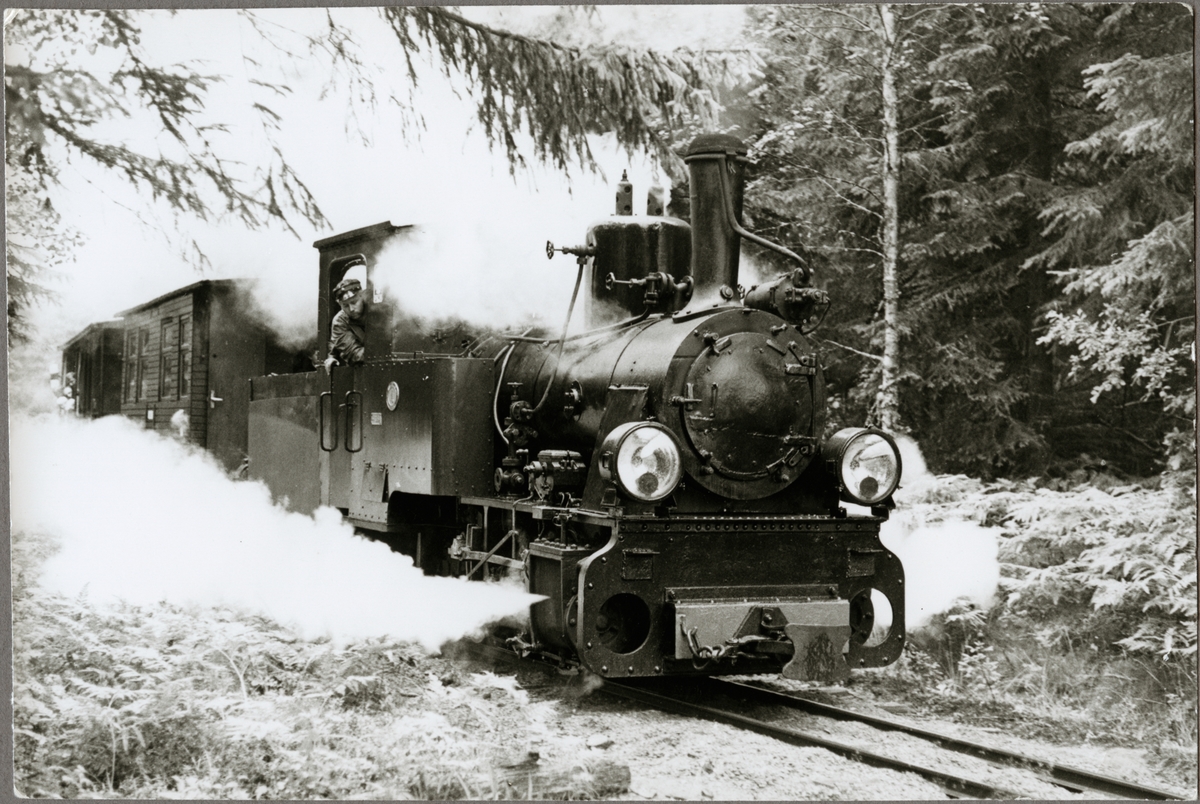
<point x="831" y="149"/>
<point x="1041" y="150"/>
<point x="888" y="401"/>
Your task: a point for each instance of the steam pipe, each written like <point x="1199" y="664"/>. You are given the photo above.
<point x="563" y="340"/>
<point x="496" y="395"/>
<point x="628" y="322"/>
<point x="515" y="339"/>
<point x="561" y="343"/>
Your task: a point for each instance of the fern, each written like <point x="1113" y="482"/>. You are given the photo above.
<point x="187" y="702"/>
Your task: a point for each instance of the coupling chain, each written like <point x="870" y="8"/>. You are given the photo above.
<point x="704" y="655"/>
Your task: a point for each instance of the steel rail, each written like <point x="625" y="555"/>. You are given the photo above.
<point x="1073" y="778"/>
<point x="955" y="786"/>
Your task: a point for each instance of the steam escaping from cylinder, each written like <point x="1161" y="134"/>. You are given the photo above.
<point x="143" y="518"/>
<point x="946" y="559"/>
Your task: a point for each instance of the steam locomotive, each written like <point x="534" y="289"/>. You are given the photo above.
<point x="662" y="477"/>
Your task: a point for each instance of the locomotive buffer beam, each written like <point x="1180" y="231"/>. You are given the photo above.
<point x="813" y="632"/>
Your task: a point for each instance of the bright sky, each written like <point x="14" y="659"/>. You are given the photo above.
<point x="486" y="231"/>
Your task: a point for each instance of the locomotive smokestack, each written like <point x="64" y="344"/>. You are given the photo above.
<point x="717" y="166"/>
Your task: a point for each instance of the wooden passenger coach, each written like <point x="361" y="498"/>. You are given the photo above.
<point x="91" y="366"/>
<point x="192" y="350"/>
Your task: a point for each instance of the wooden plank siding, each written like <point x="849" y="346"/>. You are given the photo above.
<point x="150" y="397"/>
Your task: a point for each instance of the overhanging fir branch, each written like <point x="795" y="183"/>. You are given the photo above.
<point x="559" y="95"/>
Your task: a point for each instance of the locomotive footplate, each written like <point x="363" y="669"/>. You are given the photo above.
<point x="718" y="595"/>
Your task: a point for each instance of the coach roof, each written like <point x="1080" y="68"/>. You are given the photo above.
<point x="204" y="284"/>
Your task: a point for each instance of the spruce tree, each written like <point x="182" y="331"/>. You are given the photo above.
<point x="1122" y="234"/>
<point x="1036" y="142"/>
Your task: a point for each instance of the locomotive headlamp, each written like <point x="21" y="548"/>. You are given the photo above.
<point x="643" y="458"/>
<point x="865" y="462"/>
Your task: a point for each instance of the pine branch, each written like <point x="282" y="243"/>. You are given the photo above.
<point x="868" y="355"/>
<point x="874" y="252"/>
<point x="558" y="95"/>
<point x="830" y="179"/>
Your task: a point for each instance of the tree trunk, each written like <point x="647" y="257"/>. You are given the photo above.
<point x="888" y="399"/>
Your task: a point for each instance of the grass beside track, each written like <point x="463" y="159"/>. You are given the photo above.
<point x="174" y="702"/>
<point x="199" y="703"/>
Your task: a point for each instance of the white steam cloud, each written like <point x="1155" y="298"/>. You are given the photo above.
<point x="487" y="228"/>
<point x="144" y="518"/>
<point x="481" y="257"/>
<point x="944" y="561"/>
<point x="444" y="272"/>
<point x="751" y="273"/>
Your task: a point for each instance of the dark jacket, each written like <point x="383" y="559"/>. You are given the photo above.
<point x="346" y="338"/>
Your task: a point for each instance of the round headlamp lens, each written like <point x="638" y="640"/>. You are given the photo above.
<point x="870" y="468"/>
<point x="648" y="464"/>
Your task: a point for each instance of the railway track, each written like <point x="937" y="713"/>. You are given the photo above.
<point x="1073" y="780"/>
<point x="955" y="786"/>
<point x="667" y="697"/>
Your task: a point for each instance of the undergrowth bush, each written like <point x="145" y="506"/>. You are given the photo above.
<point x="1093" y="633"/>
<point x="201" y="703"/>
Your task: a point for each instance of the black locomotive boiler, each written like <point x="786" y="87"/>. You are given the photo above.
<point x="662" y="477"/>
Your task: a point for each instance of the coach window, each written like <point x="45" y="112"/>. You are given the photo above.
<point x="168" y="360"/>
<point x="143" y="363"/>
<point x="131" y="366"/>
<point x="83" y="381"/>
<point x="185" y="355"/>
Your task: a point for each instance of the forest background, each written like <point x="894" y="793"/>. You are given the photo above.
<point x="999" y="199"/>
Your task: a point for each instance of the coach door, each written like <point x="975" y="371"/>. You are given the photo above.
<point x="236" y="352"/>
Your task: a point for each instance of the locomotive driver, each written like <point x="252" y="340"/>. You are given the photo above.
<point x="347" y="333"/>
